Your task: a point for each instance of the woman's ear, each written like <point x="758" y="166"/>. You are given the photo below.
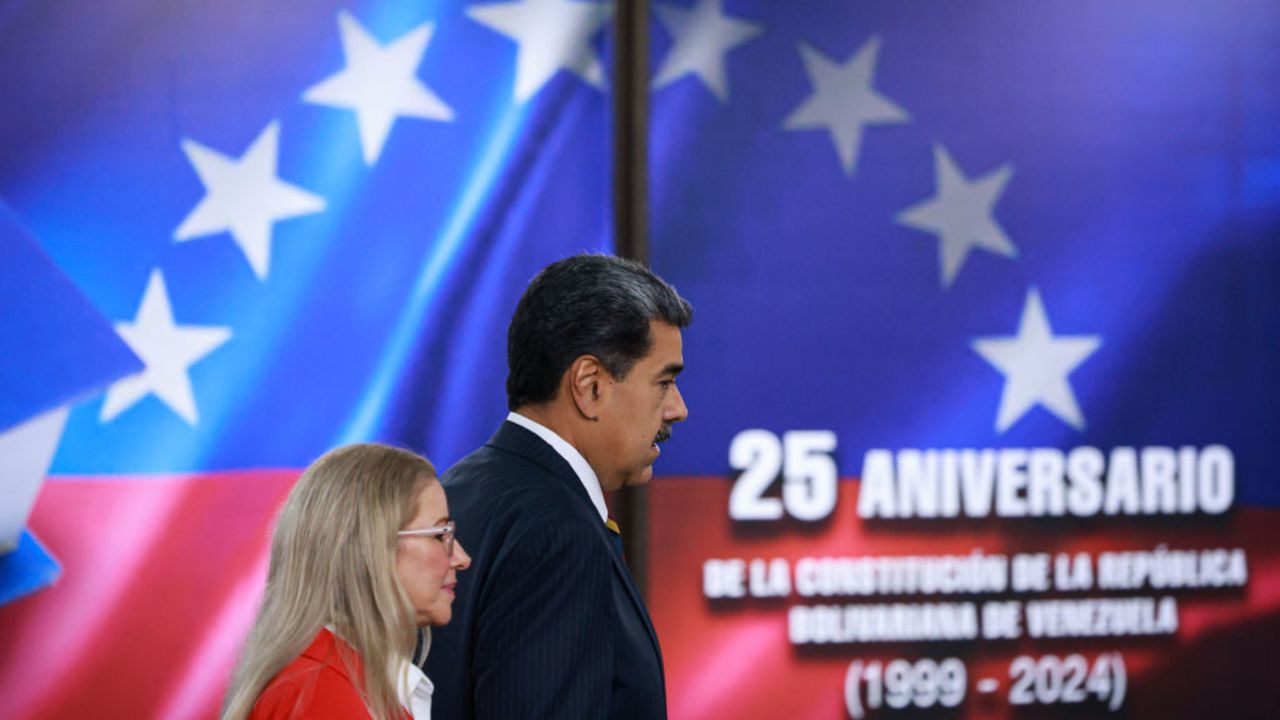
<point x="584" y="379"/>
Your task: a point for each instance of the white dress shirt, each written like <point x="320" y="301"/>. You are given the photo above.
<point x="585" y="474"/>
<point x="414" y="689"/>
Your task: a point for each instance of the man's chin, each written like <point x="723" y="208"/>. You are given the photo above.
<point x="641" y="478"/>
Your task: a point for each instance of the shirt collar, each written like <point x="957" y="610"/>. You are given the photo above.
<point x="580" y="466"/>
<point x="414" y="689"/>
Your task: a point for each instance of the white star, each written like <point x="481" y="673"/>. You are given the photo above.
<point x="244" y="197"/>
<point x="168" y="350"/>
<point x="379" y="84"/>
<point x="843" y="100"/>
<point x="1036" y="365"/>
<point x="551" y="35"/>
<point x="702" y="37"/>
<point x="961" y="214"/>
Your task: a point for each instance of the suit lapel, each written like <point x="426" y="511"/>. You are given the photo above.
<point x="624" y="573"/>
<point x="514" y="439"/>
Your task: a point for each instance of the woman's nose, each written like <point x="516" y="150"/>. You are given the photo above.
<point x="461" y="560"/>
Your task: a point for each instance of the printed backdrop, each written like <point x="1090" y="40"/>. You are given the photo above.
<point x="982" y="377"/>
<point x="311" y="222"/>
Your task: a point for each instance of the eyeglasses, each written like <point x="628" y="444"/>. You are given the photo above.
<point x="444" y="532"/>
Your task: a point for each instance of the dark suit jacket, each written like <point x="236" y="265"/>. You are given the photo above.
<point x="547" y="622"/>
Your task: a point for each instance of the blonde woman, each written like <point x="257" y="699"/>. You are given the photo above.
<point x="363" y="561"/>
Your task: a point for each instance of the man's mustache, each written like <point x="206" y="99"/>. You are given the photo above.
<point x="663" y="435"/>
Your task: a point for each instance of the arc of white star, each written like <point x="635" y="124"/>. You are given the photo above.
<point x="168" y="350"/>
<point x="551" y="35"/>
<point x="379" y="83"/>
<point x="961" y="214"/>
<point x="1036" y="364"/>
<point x="843" y="100"/>
<point x="244" y="197"/>
<point x="703" y="36"/>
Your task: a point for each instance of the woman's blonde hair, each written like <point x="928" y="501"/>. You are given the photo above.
<point x="333" y="563"/>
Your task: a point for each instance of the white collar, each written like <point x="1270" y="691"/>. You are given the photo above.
<point x="414" y="689"/>
<point x="580" y="466"/>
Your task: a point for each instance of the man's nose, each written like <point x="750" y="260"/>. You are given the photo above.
<point x="676" y="410"/>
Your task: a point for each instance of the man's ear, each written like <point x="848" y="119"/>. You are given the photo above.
<point x="585" y="378"/>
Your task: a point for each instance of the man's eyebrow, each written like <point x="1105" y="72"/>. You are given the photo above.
<point x="442" y="520"/>
<point x="672" y="369"/>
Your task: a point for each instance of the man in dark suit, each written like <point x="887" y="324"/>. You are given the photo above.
<point x="548" y="623"/>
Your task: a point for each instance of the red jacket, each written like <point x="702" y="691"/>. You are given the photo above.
<point x="315" y="686"/>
